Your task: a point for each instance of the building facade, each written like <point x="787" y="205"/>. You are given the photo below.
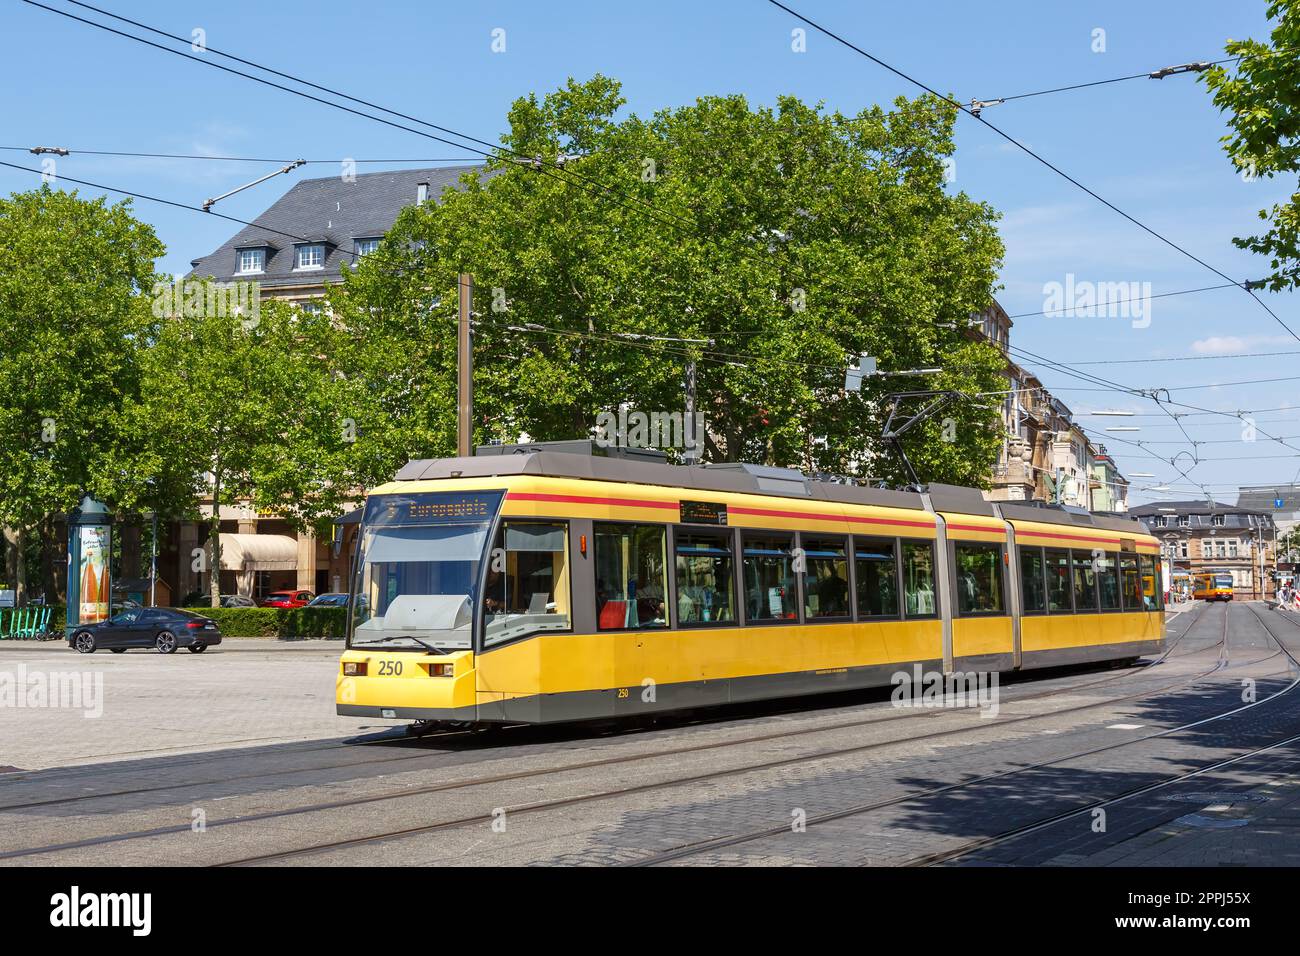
<point x="1045" y="454"/>
<point x="1200" y="537"/>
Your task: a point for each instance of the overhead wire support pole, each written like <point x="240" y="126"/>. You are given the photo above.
<point x="464" y="368"/>
<point x="209" y="203"/>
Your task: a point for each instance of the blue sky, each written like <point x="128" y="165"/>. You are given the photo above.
<point x="1151" y="147"/>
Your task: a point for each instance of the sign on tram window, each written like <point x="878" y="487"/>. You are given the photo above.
<point x="703" y="512"/>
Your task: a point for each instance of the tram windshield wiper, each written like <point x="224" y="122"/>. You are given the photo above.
<point x="408" y="637"/>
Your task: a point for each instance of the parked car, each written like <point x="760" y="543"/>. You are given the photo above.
<point x="164" y="628"/>
<point x="333" y="599"/>
<point x="202" y="599"/>
<point x="287" y="599"/>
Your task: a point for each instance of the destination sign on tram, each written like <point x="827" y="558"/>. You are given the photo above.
<point x="432" y="508"/>
<point x="703" y="512"/>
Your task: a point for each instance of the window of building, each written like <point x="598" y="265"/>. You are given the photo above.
<point x="918" y="579"/>
<point x="367" y="247"/>
<point x="771" y="593"/>
<point x="1220" y="548"/>
<point x="1106" y="568"/>
<point x="631" y="576"/>
<point x="1233" y="544"/>
<point x="1184" y="521"/>
<point x="1182" y="549"/>
<point x="1033" y="581"/>
<point x="706" y="570"/>
<point x="979" y="578"/>
<point x="251" y="260"/>
<point x="877" y="570"/>
<point x="311" y="256"/>
<point x="1218" y="520"/>
<point x="1085" y="582"/>
<point x="421" y="192"/>
<point x="1131" y="582"/>
<point x="826" y="578"/>
<point x="1158" y="521"/>
<point x="527" y="588"/>
<point x="312" y="306"/>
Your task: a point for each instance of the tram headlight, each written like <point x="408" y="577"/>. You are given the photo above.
<point x="354" y="668"/>
<point x="441" y="670"/>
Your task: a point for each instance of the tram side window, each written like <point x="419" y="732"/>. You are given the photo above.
<point x="1153" y="595"/>
<point x="1033" y="581"/>
<point x="631" y="576"/>
<point x="979" y="578"/>
<point x="877" y="571"/>
<point x="1058" y="581"/>
<point x="1107" y="567"/>
<point x="1131" y="582"/>
<point x="918" y="579"/>
<point x="706" y="585"/>
<point x="826" y="578"/>
<point x="770" y="587"/>
<point x="1085" y="582"/>
<point x="527" y="588"/>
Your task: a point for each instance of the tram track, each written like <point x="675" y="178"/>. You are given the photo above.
<point x="1006" y="836"/>
<point x="579" y="799"/>
<point x="407" y="793"/>
<point x="470" y="735"/>
<point x="697" y="848"/>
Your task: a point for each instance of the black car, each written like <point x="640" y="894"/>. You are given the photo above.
<point x="162" y="627"/>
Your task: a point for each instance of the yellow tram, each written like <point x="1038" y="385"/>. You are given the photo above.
<point x="1213" y="586"/>
<point x="556" y="585"/>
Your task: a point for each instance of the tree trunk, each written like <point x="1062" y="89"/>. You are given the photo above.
<point x="16" y="564"/>
<point x="49" y="550"/>
<point x="214" y="535"/>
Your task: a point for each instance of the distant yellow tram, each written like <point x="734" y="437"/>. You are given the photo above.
<point x="553" y="585"/>
<point x="1212" y="586"/>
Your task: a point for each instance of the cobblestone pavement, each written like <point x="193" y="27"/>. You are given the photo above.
<point x="844" y="780"/>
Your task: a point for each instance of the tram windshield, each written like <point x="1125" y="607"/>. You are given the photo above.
<point x="419" y="569"/>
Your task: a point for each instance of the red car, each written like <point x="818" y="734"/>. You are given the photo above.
<point x="287" y="599"/>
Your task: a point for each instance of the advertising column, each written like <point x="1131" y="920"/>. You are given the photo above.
<point x="90" y="538"/>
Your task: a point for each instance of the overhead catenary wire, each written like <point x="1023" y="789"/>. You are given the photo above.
<point x="561" y="172"/>
<point x="380" y="119"/>
<point x="373" y="256"/>
<point x="75" y="151"/>
<point x="1034" y="155"/>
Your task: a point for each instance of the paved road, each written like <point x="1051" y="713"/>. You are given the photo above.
<point x="845" y="780"/>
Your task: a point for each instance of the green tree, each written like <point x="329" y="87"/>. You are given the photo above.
<point x="72" y="319"/>
<point x="248" y="407"/>
<point x="1263" y="113"/>
<point x="792" y="237"/>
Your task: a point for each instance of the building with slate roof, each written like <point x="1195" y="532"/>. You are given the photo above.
<point x="320" y="227"/>
<point x="1200" y="536"/>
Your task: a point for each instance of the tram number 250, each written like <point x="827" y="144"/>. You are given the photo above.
<point x="390" y="668"/>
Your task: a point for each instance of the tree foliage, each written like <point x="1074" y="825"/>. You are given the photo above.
<point x="1261" y="99"/>
<point x="249" y="409"/>
<point x="793" y="238"/>
<point x="71" y="327"/>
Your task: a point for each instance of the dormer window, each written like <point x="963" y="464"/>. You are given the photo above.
<point x="250" y="260"/>
<point x="310" y="256"/>
<point x="367" y="247"/>
<point x="421" y="192"/>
